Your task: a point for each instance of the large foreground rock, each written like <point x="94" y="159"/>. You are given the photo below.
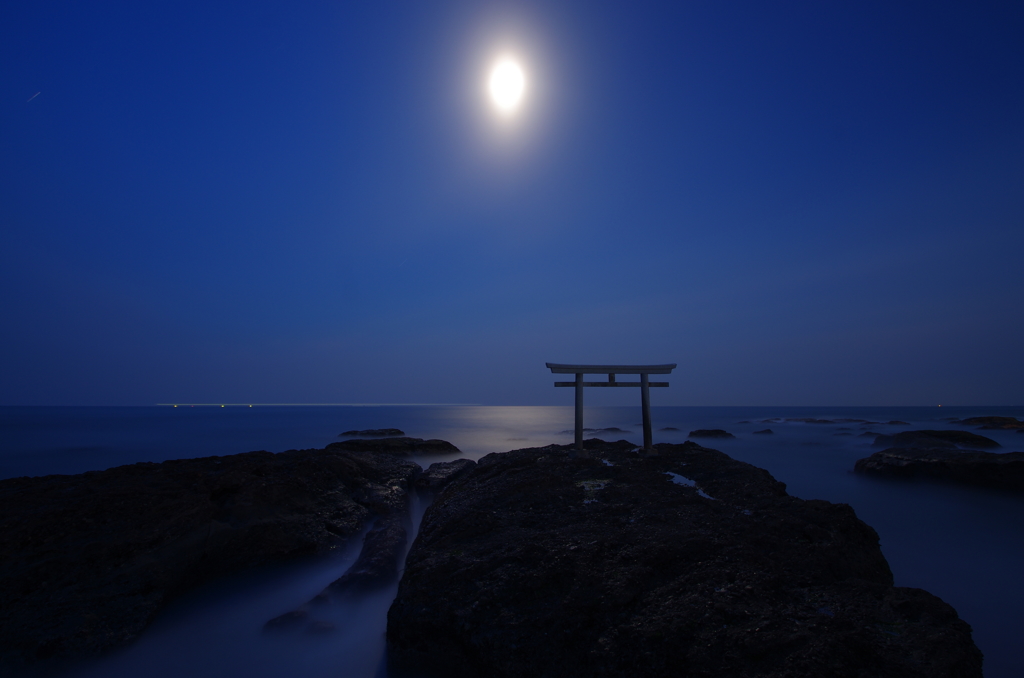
<point x="1003" y="471"/>
<point x="542" y="563"/>
<point x="90" y="559"/>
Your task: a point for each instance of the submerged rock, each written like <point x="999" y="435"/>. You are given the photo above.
<point x="710" y="433"/>
<point x="90" y="559"/>
<point x="935" y="439"/>
<point x="765" y="432"/>
<point x="402" y="447"/>
<point x="1004" y="471"/>
<point x="375" y="432"/>
<point x="684" y="563"/>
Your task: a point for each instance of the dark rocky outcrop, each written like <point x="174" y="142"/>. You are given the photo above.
<point x="764" y="432"/>
<point x="403" y="447"/>
<point x="90" y="559"/>
<point x="993" y="423"/>
<point x="380" y="432"/>
<point x="986" y="469"/>
<point x="668" y="428"/>
<point x="681" y="563"/>
<point x="935" y="440"/>
<point x="437" y="476"/>
<point x="710" y="433"/>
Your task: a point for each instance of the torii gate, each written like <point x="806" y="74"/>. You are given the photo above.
<point x="611" y="371"/>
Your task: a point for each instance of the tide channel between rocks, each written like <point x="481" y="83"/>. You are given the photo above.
<point x="91" y="559"/>
<point x="543" y="562"/>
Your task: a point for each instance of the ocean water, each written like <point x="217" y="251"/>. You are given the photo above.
<point x="965" y="545"/>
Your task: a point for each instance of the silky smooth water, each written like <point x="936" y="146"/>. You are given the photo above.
<point x="965" y="545"/>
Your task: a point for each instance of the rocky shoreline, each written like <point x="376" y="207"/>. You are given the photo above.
<point x="533" y="562"/>
<point x="543" y="562"/>
<point x="91" y="559"/>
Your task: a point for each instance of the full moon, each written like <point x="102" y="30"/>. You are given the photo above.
<point x="506" y="85"/>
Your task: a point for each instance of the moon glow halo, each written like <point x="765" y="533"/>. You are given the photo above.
<point x="506" y="85"/>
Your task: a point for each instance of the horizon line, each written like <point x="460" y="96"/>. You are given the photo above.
<point x="315" y="404"/>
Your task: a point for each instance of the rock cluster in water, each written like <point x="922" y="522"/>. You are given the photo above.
<point x="935" y="440"/>
<point x="546" y="562"/>
<point x="1004" y="471"/>
<point x="946" y="455"/>
<point x="992" y="423"/>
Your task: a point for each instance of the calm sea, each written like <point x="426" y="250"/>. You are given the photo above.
<point x="965" y="545"/>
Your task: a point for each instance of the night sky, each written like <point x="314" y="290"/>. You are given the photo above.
<point x="800" y="203"/>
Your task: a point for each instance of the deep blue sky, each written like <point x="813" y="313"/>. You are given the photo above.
<point x="804" y="203"/>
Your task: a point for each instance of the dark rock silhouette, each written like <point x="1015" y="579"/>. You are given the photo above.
<point x="375" y="432"/>
<point x="935" y="440"/>
<point x="764" y="432"/>
<point x="90" y="559"/>
<point x="402" y="447"/>
<point x="685" y="562"/>
<point x="668" y="428"/>
<point x="993" y="423"/>
<point x="986" y="469"/>
<point x="710" y="433"/>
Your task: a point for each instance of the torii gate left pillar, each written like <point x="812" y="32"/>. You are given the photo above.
<point x="611" y="370"/>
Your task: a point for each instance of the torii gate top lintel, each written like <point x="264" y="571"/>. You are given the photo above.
<point x="611" y="371"/>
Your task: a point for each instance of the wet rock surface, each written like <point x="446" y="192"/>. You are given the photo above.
<point x="90" y="559"/>
<point x="686" y="563"/>
<point x="403" y="447"/>
<point x="935" y="439"/>
<point x="1003" y="471"/>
